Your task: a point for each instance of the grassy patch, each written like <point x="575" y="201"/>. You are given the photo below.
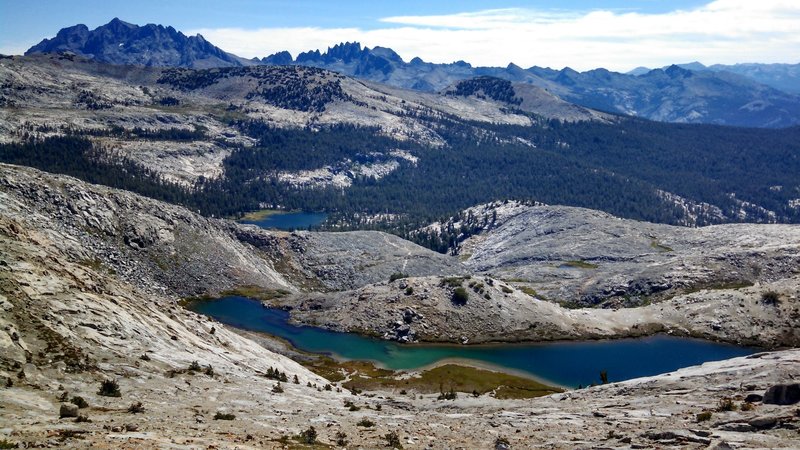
<point x="719" y="286"/>
<point x="336" y="371"/>
<point x="529" y="290"/>
<point x="261" y="214"/>
<point x="579" y="264"/>
<point x="662" y="248"/>
<point x="365" y="376"/>
<point x="470" y="379"/>
<point x="222" y="113"/>
<point x="256" y="292"/>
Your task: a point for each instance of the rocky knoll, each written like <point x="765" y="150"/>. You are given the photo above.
<point x="87" y="339"/>
<point x="427" y="309"/>
<point x="355" y="259"/>
<point x="589" y="257"/>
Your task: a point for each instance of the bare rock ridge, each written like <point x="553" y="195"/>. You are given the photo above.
<point x="69" y="322"/>
<point x="166" y="249"/>
<point x="90" y="326"/>
<point x="159" y="247"/>
<point x="593" y="257"/>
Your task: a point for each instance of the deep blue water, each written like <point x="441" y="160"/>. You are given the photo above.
<point x="289" y="221"/>
<point x="564" y="363"/>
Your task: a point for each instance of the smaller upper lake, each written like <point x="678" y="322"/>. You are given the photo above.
<point x="563" y="363"/>
<point x="289" y="221"/>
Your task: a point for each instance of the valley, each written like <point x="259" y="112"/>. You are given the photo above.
<point x="93" y="294"/>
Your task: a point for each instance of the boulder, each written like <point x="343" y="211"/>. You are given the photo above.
<point x="783" y="394"/>
<point x="764" y="422"/>
<point x="753" y="398"/>
<point x="68" y="410"/>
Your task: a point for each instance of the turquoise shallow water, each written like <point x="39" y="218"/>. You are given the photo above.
<point x="565" y="363"/>
<point x="290" y="221"/>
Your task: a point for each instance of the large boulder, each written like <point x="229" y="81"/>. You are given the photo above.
<point x="68" y="410"/>
<point x="783" y="394"/>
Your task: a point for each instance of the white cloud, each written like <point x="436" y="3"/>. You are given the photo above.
<point x="15" y="48"/>
<point x="265" y="41"/>
<point x="723" y="31"/>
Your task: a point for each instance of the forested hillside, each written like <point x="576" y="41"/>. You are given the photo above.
<point x="228" y="141"/>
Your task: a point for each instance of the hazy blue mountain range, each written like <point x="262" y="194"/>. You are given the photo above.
<point x="785" y="77"/>
<point x="739" y="95"/>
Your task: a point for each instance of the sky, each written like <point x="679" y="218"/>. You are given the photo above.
<point x="615" y="34"/>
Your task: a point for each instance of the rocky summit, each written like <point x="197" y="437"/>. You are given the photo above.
<point x="119" y="42"/>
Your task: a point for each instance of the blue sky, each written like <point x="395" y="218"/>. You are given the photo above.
<point x="583" y="34"/>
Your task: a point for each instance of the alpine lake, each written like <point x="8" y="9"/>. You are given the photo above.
<point x="281" y="220"/>
<point x="566" y="364"/>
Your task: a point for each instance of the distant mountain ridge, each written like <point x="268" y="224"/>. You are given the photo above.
<point x="671" y="94"/>
<point x="120" y="42"/>
<point x="784" y="77"/>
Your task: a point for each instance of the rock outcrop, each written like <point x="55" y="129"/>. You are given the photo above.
<point x="589" y="257"/>
<point x="782" y="394"/>
<point x="497" y="311"/>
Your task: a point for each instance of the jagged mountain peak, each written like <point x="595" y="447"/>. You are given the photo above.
<point x="278" y="59"/>
<point x="344" y="48"/>
<point x="676" y="71"/>
<point x="120" y="42"/>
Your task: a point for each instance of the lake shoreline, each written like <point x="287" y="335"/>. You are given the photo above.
<point x="275" y="219"/>
<point x="563" y="363"/>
